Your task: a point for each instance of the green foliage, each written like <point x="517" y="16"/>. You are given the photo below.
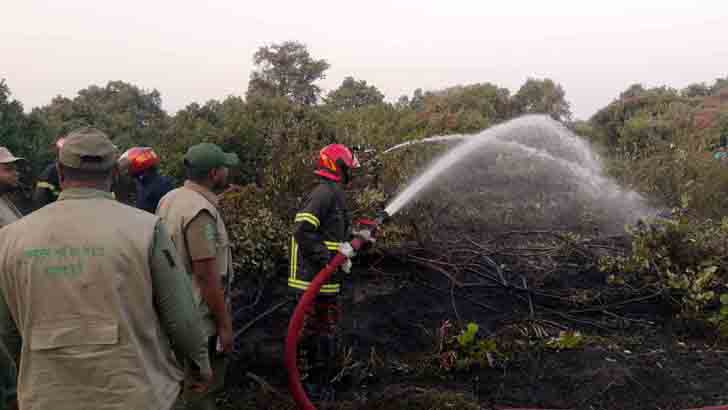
<point x="567" y="340"/>
<point x="542" y="96"/>
<point x="24" y="135"/>
<point x="130" y="115"/>
<point x="719" y="84"/>
<point x="286" y="70"/>
<point x="466" y="351"/>
<point x="642" y="120"/>
<point x="680" y="256"/>
<point x="12" y="122"/>
<point x="467" y="336"/>
<point x="653" y="144"/>
<point x="258" y="237"/>
<point x="697" y="90"/>
<point x="720" y="318"/>
<point x="353" y="94"/>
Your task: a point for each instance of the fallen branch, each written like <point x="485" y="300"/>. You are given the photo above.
<point x="259" y="317"/>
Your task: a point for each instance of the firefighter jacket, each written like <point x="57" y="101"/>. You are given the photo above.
<point x="47" y="188"/>
<point x="150" y="188"/>
<point x="322" y="223"/>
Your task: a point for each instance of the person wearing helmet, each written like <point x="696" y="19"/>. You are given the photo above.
<point x="142" y="164"/>
<point x="48" y="188"/>
<point x="322" y="227"/>
<point x="95" y="306"/>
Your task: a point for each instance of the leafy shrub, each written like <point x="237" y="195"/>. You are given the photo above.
<point x="680" y="256"/>
<point x="259" y="237"/>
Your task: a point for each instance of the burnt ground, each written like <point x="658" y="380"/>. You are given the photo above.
<point x="640" y="360"/>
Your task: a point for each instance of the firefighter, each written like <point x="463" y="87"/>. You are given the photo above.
<point x="322" y="228"/>
<point x="142" y="164"/>
<point x="192" y="215"/>
<point x="47" y="188"/>
<point x="93" y="299"/>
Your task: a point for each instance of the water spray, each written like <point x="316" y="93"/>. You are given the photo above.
<point x="575" y="156"/>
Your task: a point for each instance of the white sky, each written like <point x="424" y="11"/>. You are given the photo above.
<point x="198" y="50"/>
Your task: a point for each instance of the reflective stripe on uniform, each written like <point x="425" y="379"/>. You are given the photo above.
<point x="303" y="285"/>
<point x="308" y="217"/>
<point x="332" y="246"/>
<point x="46" y="185"/>
<point x="296" y="283"/>
<point x="294" y="258"/>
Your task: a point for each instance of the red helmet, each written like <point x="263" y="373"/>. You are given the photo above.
<point x="335" y="161"/>
<point x="137" y="160"/>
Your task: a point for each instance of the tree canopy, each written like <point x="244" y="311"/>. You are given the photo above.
<point x="353" y="94"/>
<point x="287" y="70"/>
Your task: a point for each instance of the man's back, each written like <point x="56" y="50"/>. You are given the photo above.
<point x="76" y="277"/>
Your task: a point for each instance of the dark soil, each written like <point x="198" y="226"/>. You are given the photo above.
<point x="640" y="361"/>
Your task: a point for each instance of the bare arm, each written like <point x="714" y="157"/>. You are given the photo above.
<point x="201" y="238"/>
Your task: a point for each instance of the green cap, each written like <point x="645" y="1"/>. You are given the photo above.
<point x="88" y="149"/>
<point x="207" y="156"/>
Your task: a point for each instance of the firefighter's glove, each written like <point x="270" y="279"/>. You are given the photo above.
<point x="346" y="250"/>
<point x="346" y="266"/>
<point x="365" y="235"/>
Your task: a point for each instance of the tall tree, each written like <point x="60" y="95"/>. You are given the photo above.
<point x="25" y="135"/>
<point x="542" y="96"/>
<point x="287" y="70"/>
<point x="353" y="94"/>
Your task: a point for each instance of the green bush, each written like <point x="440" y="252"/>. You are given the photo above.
<point x="258" y="237"/>
<point x="682" y="257"/>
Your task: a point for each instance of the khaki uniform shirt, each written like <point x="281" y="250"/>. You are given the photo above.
<point x="8" y="212"/>
<point x="98" y="295"/>
<point x="186" y="211"/>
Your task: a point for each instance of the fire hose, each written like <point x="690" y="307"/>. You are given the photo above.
<point x="296" y="323"/>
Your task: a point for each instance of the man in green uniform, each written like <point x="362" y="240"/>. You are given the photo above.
<point x="8" y="183"/>
<point x="8" y="214"/>
<point x="93" y="296"/>
<point x="192" y="216"/>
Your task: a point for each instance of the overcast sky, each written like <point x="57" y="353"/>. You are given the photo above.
<point x="199" y="50"/>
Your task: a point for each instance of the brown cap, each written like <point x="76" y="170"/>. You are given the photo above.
<point x="6" y="157"/>
<point x="88" y="149"/>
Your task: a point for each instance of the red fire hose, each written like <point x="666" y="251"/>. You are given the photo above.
<point x="296" y="323"/>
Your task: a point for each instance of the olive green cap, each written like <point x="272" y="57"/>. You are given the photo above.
<point x="207" y="156"/>
<point x="88" y="149"/>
